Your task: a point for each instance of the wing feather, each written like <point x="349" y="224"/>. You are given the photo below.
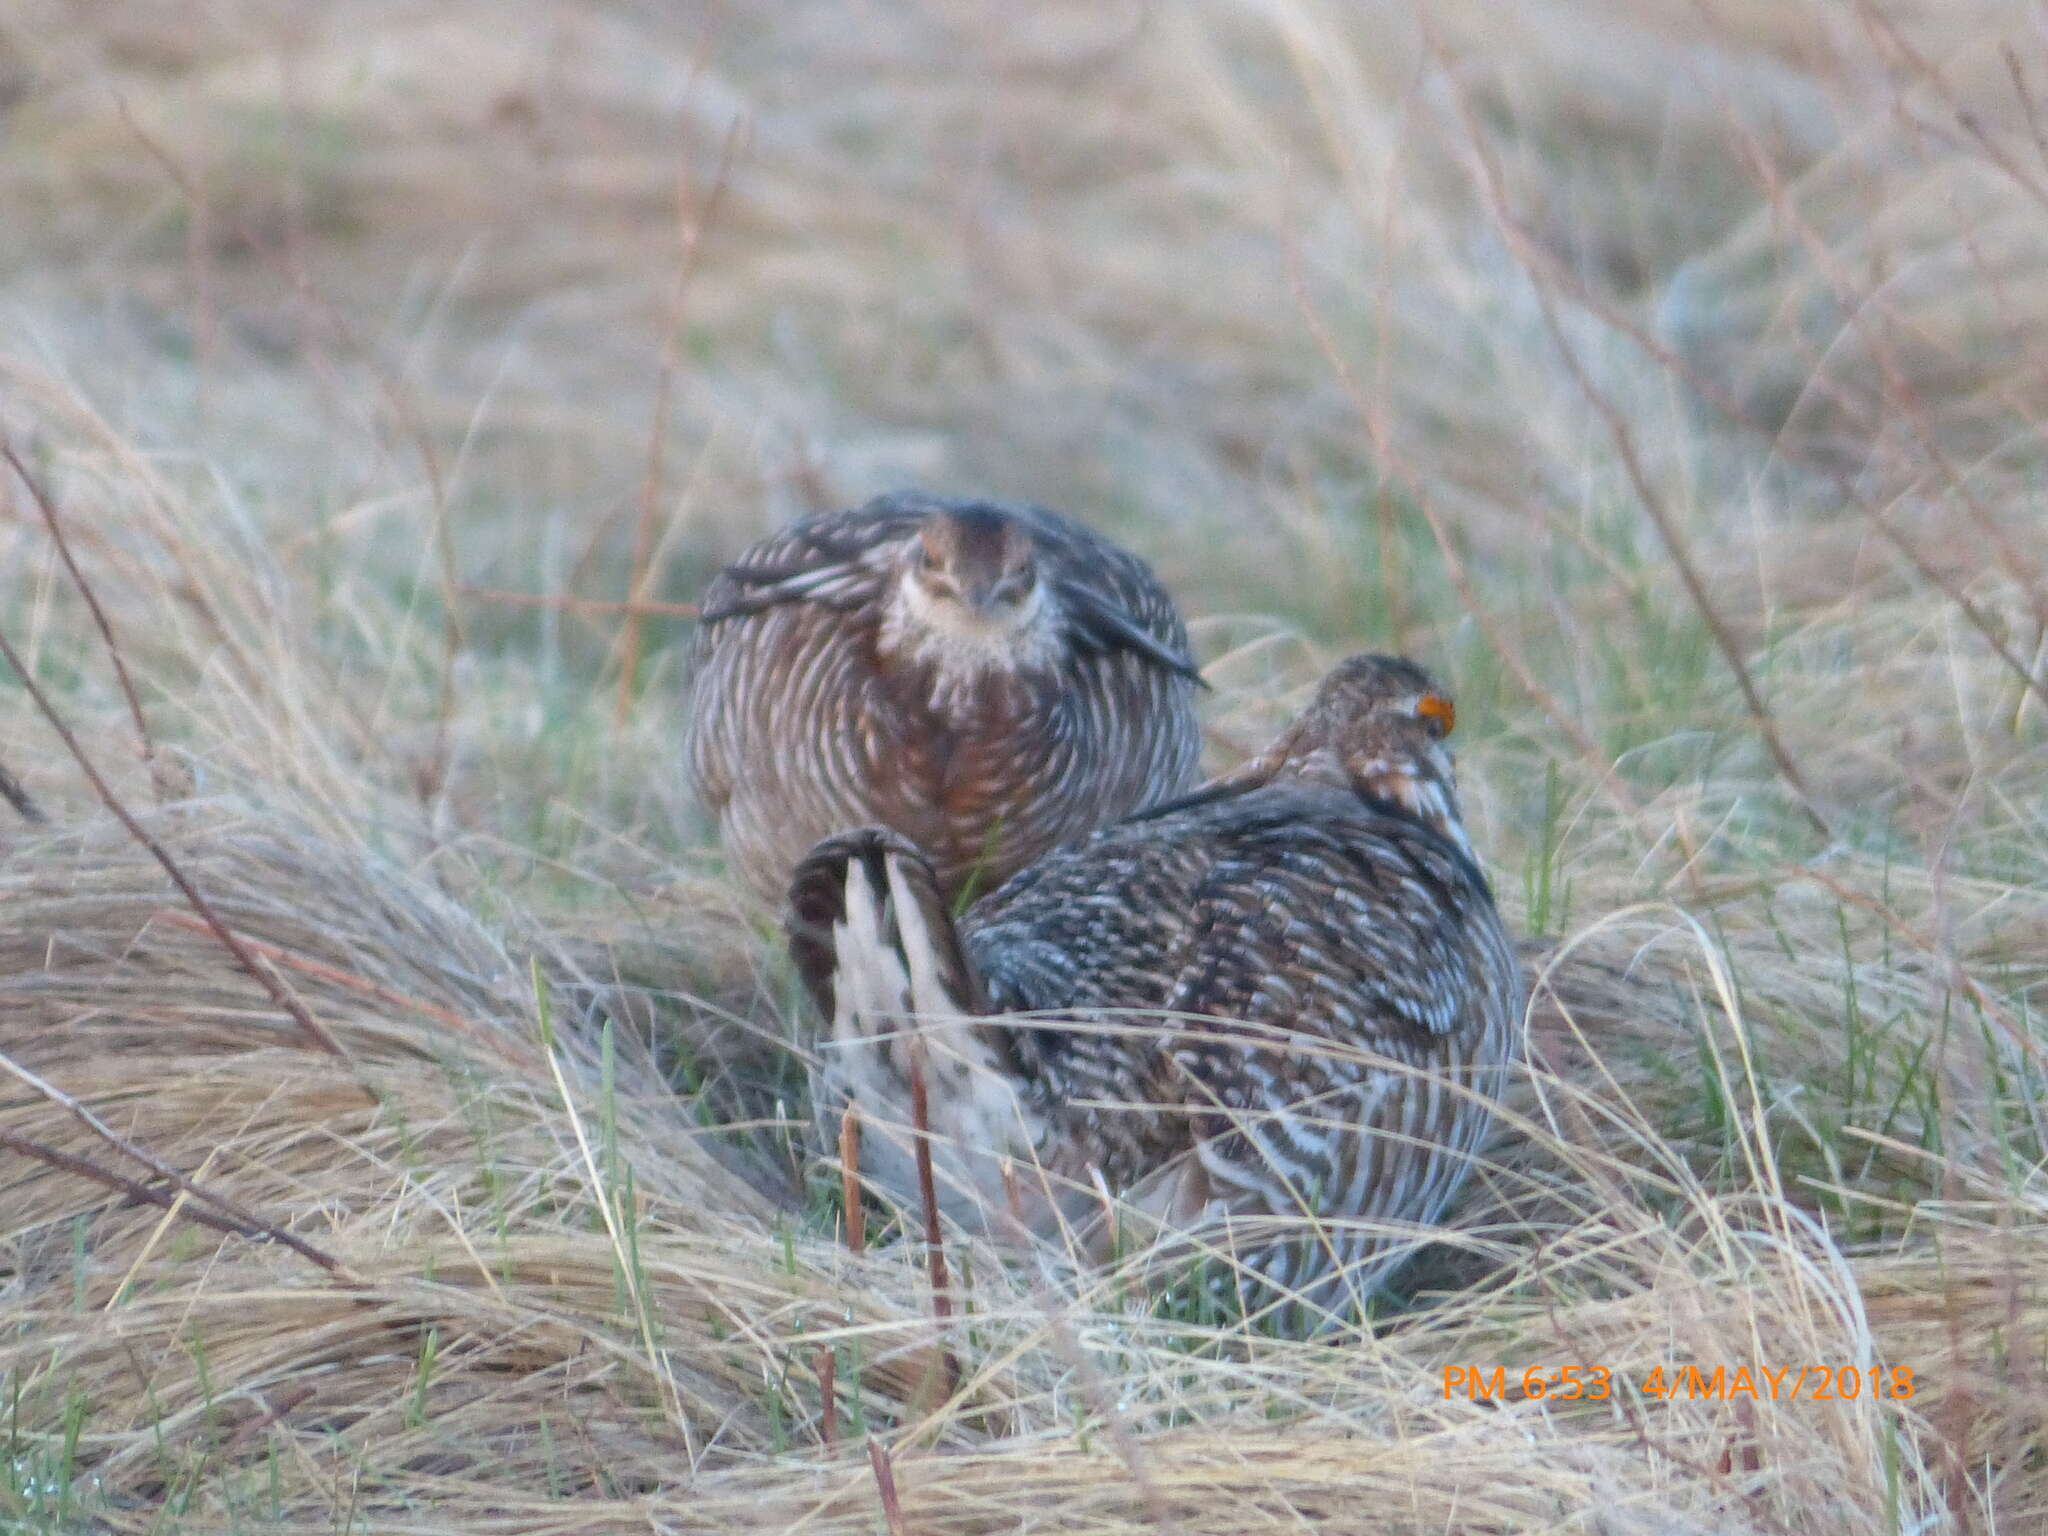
<point x="1332" y="988"/>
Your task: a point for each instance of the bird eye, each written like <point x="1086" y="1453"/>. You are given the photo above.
<point x="1438" y="710"/>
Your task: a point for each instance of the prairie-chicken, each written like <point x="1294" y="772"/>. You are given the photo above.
<point x="990" y="681"/>
<point x="1285" y="996"/>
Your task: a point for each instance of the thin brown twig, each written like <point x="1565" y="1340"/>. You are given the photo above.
<point x="828" y="1397"/>
<point x="291" y="265"/>
<point x="1710" y="390"/>
<point x="1675" y="543"/>
<point x="934" y="1234"/>
<point x="55" y="524"/>
<point x="14" y="794"/>
<point x="1099" y="1400"/>
<point x="190" y="588"/>
<point x="692" y="239"/>
<point x="134" y="1189"/>
<point x="849" y="1181"/>
<point x="1884" y="31"/>
<point x="1893" y="373"/>
<point x="2018" y="76"/>
<point x="1688" y="571"/>
<point x="314" y="1030"/>
<point x="1564" y="280"/>
<point x="227" y="1209"/>
<point x="147" y="1194"/>
<point x="885" y="1486"/>
<point x="320" y="970"/>
<point x="1900" y="390"/>
<point x="1508" y="653"/>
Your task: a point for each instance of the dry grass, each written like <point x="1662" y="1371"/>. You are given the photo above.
<point x="1670" y="375"/>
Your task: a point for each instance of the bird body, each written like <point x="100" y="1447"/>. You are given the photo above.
<point x="1270" y="1017"/>
<point x="991" y="681"/>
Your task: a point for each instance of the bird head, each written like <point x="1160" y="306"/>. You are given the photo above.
<point x="1377" y="726"/>
<point x="972" y="573"/>
<point x="981" y="561"/>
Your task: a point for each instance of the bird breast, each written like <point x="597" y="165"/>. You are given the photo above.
<point x="959" y="648"/>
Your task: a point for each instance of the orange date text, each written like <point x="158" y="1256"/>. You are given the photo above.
<point x="1699" y="1383"/>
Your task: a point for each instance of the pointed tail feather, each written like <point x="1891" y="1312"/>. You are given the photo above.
<point x="1242" y="780"/>
<point x="866" y="919"/>
<point x="876" y="947"/>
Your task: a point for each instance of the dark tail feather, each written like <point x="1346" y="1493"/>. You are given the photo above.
<point x="815" y="910"/>
<point x="1256" y="774"/>
<point x="867" y="888"/>
<point x="1112" y="629"/>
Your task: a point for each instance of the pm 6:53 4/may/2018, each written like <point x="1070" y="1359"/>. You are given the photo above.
<point x="1721" y="1383"/>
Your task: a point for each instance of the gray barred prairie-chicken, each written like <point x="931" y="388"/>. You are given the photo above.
<point x="991" y="681"/>
<point x="1268" y="1019"/>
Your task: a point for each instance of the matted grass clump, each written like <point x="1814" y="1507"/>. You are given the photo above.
<point x="401" y="1115"/>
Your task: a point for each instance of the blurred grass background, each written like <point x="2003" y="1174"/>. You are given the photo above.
<point x="1669" y="376"/>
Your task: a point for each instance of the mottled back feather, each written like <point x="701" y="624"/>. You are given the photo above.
<point x="1283" y="996"/>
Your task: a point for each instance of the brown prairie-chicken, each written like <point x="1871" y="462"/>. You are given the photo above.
<point x="991" y="681"/>
<point x="1267" y="1020"/>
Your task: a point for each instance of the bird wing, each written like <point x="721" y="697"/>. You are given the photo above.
<point x="1112" y="600"/>
<point x="1372" y="992"/>
<point x="1353" y="926"/>
<point x="1303" y="957"/>
<point x="839" y="559"/>
<point x="1283" y="906"/>
<point x="771" y="640"/>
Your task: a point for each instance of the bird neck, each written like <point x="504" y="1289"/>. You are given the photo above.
<point x="961" y="646"/>
<point x="1421" y="791"/>
<point x="1419" y="782"/>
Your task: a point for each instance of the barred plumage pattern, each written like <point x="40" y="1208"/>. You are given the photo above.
<point x="1345" y="999"/>
<point x="992" y="681"/>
